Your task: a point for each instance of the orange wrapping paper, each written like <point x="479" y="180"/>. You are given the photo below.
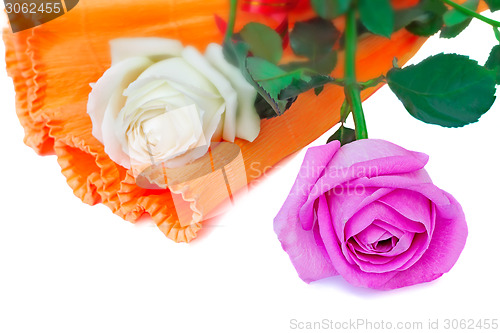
<point x="53" y="64"/>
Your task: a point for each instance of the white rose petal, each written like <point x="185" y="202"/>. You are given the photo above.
<point x="105" y="102"/>
<point x="167" y="136"/>
<point x="247" y="120"/>
<point x="160" y="48"/>
<point x="181" y="73"/>
<point x="224" y="87"/>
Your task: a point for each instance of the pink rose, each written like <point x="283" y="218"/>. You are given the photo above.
<point x="369" y="212"/>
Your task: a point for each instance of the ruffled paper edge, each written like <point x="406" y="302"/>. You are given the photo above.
<point x="46" y="136"/>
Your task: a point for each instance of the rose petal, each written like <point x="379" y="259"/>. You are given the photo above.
<point x="351" y="273"/>
<point x="308" y="259"/>
<point x="403" y="244"/>
<point x="374" y="149"/>
<point x="191" y="83"/>
<point x="378" y="211"/>
<point x="369" y="257"/>
<point x="123" y="48"/>
<point x="390" y="228"/>
<point x="181" y="75"/>
<point x="186" y="131"/>
<point x="315" y="162"/>
<point x="343" y="207"/>
<point x="371" y="234"/>
<point x="247" y="119"/>
<point x="414" y="249"/>
<point x="448" y="241"/>
<point x="346" y="168"/>
<point x="226" y="90"/>
<point x="158" y="91"/>
<point x="116" y="78"/>
<point x="105" y="102"/>
<point x="419" y="210"/>
<point x="412" y="182"/>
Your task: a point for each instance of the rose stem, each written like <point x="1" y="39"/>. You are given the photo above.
<point x="351" y="88"/>
<point x="232" y="19"/>
<point x="472" y="13"/>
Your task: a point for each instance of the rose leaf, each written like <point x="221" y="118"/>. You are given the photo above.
<point x="405" y="17"/>
<point x="318" y="90"/>
<point x="237" y="54"/>
<point x="271" y="80"/>
<point x="446" y="89"/>
<point x="430" y="20"/>
<point x="263" y="41"/>
<point x="344" y="134"/>
<point x="263" y="108"/>
<point x="330" y="9"/>
<point x="377" y="16"/>
<point x="453" y="16"/>
<point x="494" y="5"/>
<point x="299" y="86"/>
<point x="322" y="65"/>
<point x="493" y="62"/>
<point x="454" y="30"/>
<point x="314" y="38"/>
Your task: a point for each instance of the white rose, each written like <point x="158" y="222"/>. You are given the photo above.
<point x="162" y="102"/>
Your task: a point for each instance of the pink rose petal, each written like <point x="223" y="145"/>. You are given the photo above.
<point x="309" y="259"/>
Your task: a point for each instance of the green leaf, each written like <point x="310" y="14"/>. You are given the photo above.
<point x="371" y="83"/>
<point x="237" y="54"/>
<point x="313" y="38"/>
<point x="497" y="33"/>
<point x="453" y="16"/>
<point x="493" y="62"/>
<point x="271" y="80"/>
<point x="264" y="109"/>
<point x="344" y="134"/>
<point x="494" y="5"/>
<point x="323" y="65"/>
<point x="299" y="86"/>
<point x="446" y="89"/>
<point x="318" y="90"/>
<point x="426" y="27"/>
<point x="330" y="9"/>
<point x="264" y="42"/>
<point x="456" y="22"/>
<point x="431" y="19"/>
<point x="455" y="30"/>
<point x="433" y="6"/>
<point x="377" y="16"/>
<point x="404" y="17"/>
<point x="269" y="76"/>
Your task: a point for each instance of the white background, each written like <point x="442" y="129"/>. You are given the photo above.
<point x="69" y="267"/>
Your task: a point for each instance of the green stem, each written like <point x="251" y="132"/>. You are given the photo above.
<point x="472" y="13"/>
<point x="232" y="19"/>
<point x="371" y="83"/>
<point x="497" y="33"/>
<point x="352" y="90"/>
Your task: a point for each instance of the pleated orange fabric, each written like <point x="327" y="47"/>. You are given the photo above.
<point x="53" y="64"/>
